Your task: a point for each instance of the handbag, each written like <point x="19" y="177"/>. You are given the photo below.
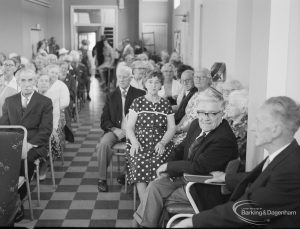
<point x="69" y="136"/>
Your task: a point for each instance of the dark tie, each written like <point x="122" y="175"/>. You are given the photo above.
<point x="195" y="144"/>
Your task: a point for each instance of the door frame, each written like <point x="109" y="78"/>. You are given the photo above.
<point x="72" y="26"/>
<point x="155" y="24"/>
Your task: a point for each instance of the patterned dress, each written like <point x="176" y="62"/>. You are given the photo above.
<point x="150" y="127"/>
<point x="240" y="132"/>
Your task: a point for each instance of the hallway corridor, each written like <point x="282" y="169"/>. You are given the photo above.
<point x="76" y="201"/>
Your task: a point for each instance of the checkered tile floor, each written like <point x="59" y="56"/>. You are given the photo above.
<point x="76" y="201"/>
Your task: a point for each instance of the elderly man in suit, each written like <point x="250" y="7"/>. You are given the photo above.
<point x="33" y="111"/>
<point x="113" y="120"/>
<point x="189" y="90"/>
<point x="272" y="189"/>
<point x="209" y="144"/>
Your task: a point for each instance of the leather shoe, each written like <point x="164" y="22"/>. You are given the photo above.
<point x="20" y="214"/>
<point x="102" y="186"/>
<point x="121" y="179"/>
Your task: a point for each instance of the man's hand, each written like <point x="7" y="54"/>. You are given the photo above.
<point x="118" y="132"/>
<point x="160" y="172"/>
<point x="184" y="223"/>
<point x="218" y="177"/>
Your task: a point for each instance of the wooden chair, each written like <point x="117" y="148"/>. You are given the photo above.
<point x="14" y="132"/>
<point x="119" y="151"/>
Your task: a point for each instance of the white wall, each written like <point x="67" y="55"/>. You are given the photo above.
<point x="293" y="70"/>
<point x="219" y="33"/>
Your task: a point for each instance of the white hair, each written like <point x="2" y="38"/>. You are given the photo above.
<point x="124" y="70"/>
<point x="241" y="97"/>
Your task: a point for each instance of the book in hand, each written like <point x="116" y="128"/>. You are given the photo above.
<point x="200" y="179"/>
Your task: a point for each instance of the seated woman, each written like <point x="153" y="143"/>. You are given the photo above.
<point x="139" y="69"/>
<point x="43" y="85"/>
<point x="70" y="82"/>
<point x="60" y="96"/>
<point x="228" y="86"/>
<point x="171" y="87"/>
<point x="5" y="91"/>
<point x="202" y="80"/>
<point x="236" y="114"/>
<point x="150" y="128"/>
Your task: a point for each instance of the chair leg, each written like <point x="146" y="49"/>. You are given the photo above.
<point x="38" y="183"/>
<point x="52" y="169"/>
<point x="125" y="182"/>
<point x="134" y="197"/>
<point x="111" y="170"/>
<point x="118" y="163"/>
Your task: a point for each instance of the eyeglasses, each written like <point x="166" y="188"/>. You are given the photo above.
<point x="187" y="81"/>
<point x="8" y="65"/>
<point x="211" y="115"/>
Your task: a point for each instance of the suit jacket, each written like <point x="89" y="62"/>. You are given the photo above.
<point x="181" y="109"/>
<point x="37" y="118"/>
<point x="277" y="188"/>
<point x="218" y="148"/>
<point x="112" y="110"/>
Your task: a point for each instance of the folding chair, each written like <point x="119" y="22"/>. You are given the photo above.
<point x="37" y="169"/>
<point x="22" y="179"/>
<point x="189" y="211"/>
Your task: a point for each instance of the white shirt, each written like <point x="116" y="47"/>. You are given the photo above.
<point x="60" y="96"/>
<point x="176" y="88"/>
<point x="25" y="100"/>
<point x="273" y="155"/>
<point x="124" y="121"/>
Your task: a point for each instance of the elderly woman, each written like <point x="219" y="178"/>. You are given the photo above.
<point x="139" y="69"/>
<point x="9" y="68"/>
<point x="229" y="86"/>
<point x="70" y="82"/>
<point x="202" y="80"/>
<point x="150" y="128"/>
<point x="237" y="115"/>
<point x="51" y="59"/>
<point x="5" y="91"/>
<point x="171" y="87"/>
<point x="60" y="96"/>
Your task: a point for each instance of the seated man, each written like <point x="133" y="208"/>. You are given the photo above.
<point x="272" y="189"/>
<point x="113" y="120"/>
<point x="189" y="90"/>
<point x="209" y="144"/>
<point x="33" y="111"/>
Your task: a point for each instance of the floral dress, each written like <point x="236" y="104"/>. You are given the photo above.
<point x="240" y="132"/>
<point x="190" y="115"/>
<point x="150" y="127"/>
<point x="57" y="145"/>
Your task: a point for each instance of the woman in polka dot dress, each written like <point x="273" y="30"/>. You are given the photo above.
<point x="150" y="128"/>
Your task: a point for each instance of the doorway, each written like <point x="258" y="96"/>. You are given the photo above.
<point x="99" y="20"/>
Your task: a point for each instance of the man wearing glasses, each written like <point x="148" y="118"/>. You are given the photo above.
<point x="209" y="144"/>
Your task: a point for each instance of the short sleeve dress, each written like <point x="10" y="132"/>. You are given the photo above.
<point x="150" y="127"/>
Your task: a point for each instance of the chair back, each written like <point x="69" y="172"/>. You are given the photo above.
<point x="13" y="141"/>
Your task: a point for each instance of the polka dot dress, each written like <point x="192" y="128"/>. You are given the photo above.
<point x="150" y="127"/>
